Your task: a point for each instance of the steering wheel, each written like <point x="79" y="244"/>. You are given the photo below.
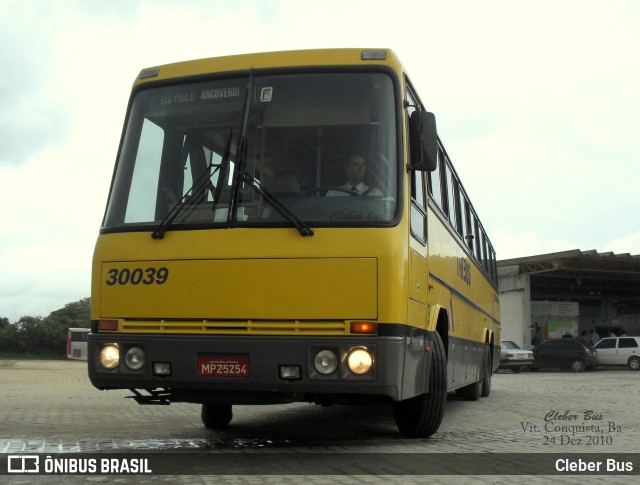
<point x="315" y="190"/>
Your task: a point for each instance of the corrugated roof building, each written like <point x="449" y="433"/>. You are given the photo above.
<point x="569" y="292"/>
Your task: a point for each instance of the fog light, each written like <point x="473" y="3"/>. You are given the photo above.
<point x="325" y="362"/>
<point x="134" y="358"/>
<point x="109" y="356"/>
<point x="359" y="361"/>
<point x="162" y="368"/>
<point x="290" y="372"/>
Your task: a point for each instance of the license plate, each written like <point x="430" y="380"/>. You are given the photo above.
<point x="223" y="366"/>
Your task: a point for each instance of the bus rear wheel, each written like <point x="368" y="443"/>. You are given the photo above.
<point x="215" y="416"/>
<point x="471" y="392"/>
<point x="420" y="416"/>
<point x="482" y="387"/>
<point x="487" y="370"/>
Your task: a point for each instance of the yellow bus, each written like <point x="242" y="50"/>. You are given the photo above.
<point x="287" y="227"/>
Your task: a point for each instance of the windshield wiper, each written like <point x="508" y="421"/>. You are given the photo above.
<point x="200" y="183"/>
<point x="300" y="225"/>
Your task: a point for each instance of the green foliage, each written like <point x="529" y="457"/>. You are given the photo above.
<point x="44" y="336"/>
<point x="76" y="314"/>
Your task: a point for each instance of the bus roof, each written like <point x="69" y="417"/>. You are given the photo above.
<point x="265" y="60"/>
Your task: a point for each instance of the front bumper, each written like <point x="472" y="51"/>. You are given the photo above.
<point x="266" y="355"/>
<point x="509" y="363"/>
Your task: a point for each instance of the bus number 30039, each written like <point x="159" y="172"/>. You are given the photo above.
<point x="136" y="276"/>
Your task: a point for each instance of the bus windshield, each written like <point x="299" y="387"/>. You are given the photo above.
<point x="260" y="150"/>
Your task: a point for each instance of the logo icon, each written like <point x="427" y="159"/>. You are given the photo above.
<point x="23" y="463"/>
<point x="266" y="94"/>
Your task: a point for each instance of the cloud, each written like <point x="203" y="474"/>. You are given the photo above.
<point x="49" y="219"/>
<point x="537" y="105"/>
<point x="626" y="244"/>
<point x="32" y="118"/>
<point x="510" y="244"/>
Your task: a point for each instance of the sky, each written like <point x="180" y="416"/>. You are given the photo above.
<point x="537" y="103"/>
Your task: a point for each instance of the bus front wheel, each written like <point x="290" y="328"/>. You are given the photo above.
<point x="420" y="416"/>
<point x="216" y="416"/>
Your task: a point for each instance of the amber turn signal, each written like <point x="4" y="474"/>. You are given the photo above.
<point x="108" y="326"/>
<point x="364" y="327"/>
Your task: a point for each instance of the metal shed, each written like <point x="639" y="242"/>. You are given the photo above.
<point x="569" y="292"/>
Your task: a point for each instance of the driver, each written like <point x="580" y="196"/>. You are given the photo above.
<point x="355" y="168"/>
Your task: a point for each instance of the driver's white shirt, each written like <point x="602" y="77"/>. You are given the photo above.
<point x="361" y="188"/>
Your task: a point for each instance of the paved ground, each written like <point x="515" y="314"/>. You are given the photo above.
<point x="51" y="407"/>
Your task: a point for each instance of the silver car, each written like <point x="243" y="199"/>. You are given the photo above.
<point x="619" y="351"/>
<point x="513" y="357"/>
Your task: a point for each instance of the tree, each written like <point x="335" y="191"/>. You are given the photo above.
<point x="10" y="339"/>
<point x="45" y="335"/>
<point x="75" y="314"/>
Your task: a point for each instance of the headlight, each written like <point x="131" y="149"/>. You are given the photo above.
<point x="110" y="356"/>
<point x="325" y="362"/>
<point x="134" y="358"/>
<point x="360" y="361"/>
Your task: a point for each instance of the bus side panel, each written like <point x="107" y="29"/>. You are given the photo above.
<point x="468" y="299"/>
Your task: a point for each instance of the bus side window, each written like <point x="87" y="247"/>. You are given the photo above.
<point x="476" y="238"/>
<point x="417" y="188"/>
<point x="455" y="215"/>
<point x="451" y="200"/>
<point x="492" y="262"/>
<point x="485" y="255"/>
<point x="468" y="226"/>
<point x="445" y="177"/>
<point x="418" y="214"/>
<point x="435" y="181"/>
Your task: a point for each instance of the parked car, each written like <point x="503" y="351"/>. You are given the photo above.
<point x="513" y="357"/>
<point x="619" y="351"/>
<point x="564" y="353"/>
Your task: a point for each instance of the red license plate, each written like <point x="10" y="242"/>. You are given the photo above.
<point x="223" y="366"/>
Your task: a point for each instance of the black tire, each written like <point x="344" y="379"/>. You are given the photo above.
<point x="634" y="363"/>
<point x="577" y="365"/>
<point x="215" y="416"/>
<point x="487" y="372"/>
<point x="516" y="370"/>
<point x="420" y="416"/>
<point x="471" y="392"/>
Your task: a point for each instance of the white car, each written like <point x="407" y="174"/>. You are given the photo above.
<point x="513" y="357"/>
<point x="619" y="351"/>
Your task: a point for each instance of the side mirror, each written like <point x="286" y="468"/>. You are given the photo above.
<point x="423" y="141"/>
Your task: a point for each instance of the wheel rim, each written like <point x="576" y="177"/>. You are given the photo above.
<point x="634" y="364"/>
<point x="577" y="366"/>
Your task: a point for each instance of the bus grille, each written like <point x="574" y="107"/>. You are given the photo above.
<point x="210" y="327"/>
